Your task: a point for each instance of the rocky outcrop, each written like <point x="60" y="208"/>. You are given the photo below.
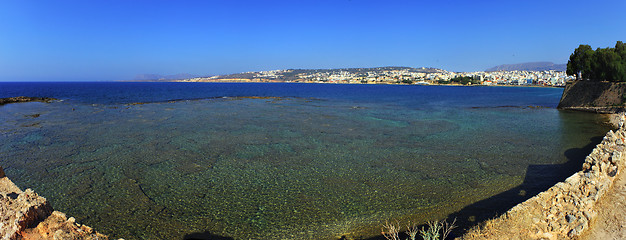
<point x="599" y="97"/>
<point x="567" y="209"/>
<point x="24" y="99"/>
<point x="28" y="216"/>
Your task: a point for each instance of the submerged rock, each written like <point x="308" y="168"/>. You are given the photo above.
<point x="25" y="99"/>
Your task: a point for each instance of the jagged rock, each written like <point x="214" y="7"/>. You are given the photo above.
<point x="27" y="216"/>
<point x="570" y="218"/>
<point x="20" y="210"/>
<point x="58" y="226"/>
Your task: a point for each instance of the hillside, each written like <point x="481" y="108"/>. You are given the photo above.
<point x="529" y="66"/>
<point x="292" y="74"/>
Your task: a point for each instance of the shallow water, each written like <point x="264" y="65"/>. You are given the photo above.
<point x="302" y="167"/>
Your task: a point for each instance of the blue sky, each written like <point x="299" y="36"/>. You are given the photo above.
<point x="115" y="40"/>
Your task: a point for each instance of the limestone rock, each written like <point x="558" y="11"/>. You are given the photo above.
<point x="27" y="216"/>
<point x="20" y="210"/>
<point x="58" y="226"/>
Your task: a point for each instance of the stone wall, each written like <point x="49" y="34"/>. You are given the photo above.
<point x="567" y="209"/>
<point x="26" y="215"/>
<point x="599" y="97"/>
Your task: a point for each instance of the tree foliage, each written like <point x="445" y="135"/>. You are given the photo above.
<point x="603" y="64"/>
<point x="465" y="80"/>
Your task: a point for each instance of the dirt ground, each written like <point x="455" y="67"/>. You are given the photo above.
<point x="611" y="220"/>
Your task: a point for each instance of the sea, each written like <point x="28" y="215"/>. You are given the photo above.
<point x="286" y="160"/>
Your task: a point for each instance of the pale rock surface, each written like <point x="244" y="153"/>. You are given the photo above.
<point x="28" y="216"/>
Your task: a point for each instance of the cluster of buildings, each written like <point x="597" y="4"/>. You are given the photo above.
<point x="372" y="76"/>
<point x="395" y="75"/>
<point x="538" y="78"/>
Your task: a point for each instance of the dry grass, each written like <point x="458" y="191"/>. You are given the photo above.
<point x="489" y="229"/>
<point x="437" y="230"/>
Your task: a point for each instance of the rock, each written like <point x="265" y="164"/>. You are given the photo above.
<point x="25" y="99"/>
<point x="21" y="210"/>
<point x="589" y="214"/>
<point x="576" y="231"/>
<point x="548" y="235"/>
<point x="58" y="225"/>
<point x="570" y="218"/>
<point x="28" y="216"/>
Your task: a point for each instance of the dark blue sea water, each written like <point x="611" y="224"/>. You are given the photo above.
<point x="283" y="161"/>
<point x="454" y="96"/>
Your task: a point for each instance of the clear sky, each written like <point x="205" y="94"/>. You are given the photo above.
<point x="116" y="40"/>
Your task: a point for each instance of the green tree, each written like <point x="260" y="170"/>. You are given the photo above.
<point x="620" y="48"/>
<point x="607" y="65"/>
<point x="579" y="63"/>
<point x="603" y="64"/>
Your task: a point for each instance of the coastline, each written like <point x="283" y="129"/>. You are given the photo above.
<point x="385" y="83"/>
<point x="568" y="209"/>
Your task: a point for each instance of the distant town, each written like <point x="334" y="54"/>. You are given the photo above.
<point x="396" y="75"/>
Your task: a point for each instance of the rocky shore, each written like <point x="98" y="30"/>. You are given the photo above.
<point x="568" y="209"/>
<point x="28" y="216"/>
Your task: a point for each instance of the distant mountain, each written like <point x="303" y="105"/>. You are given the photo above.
<point x="158" y="77"/>
<point x="529" y="66"/>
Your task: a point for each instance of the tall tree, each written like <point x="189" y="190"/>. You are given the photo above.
<point x="620" y="49"/>
<point x="601" y="64"/>
<point x="579" y="63"/>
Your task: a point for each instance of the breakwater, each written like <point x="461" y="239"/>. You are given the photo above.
<point x="567" y="209"/>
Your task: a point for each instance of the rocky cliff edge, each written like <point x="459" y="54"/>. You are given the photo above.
<point x="28" y="216"/>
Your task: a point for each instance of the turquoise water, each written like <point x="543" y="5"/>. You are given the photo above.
<point x="279" y="167"/>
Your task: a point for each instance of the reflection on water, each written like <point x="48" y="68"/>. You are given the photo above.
<point x="274" y="168"/>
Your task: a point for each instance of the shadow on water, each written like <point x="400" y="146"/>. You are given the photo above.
<point x="205" y="236"/>
<point x="538" y="179"/>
